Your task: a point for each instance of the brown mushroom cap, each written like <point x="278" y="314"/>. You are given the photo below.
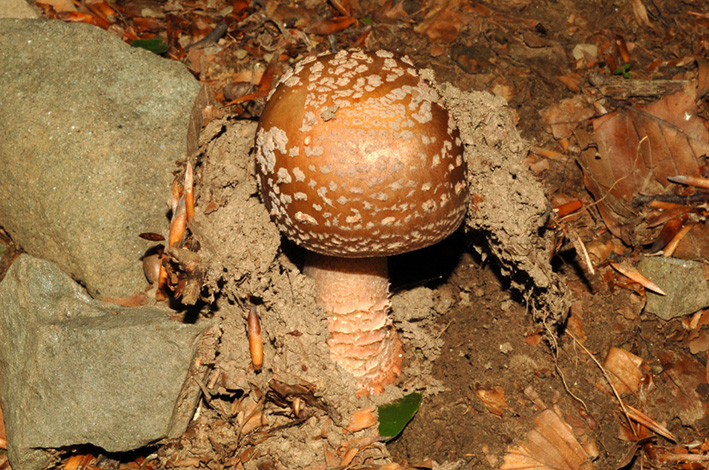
<point x="357" y="157"/>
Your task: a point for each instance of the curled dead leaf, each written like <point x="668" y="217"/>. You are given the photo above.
<point x="362" y="419"/>
<point x="493" y="398"/>
<point x="549" y="446"/>
<point x="636" y="150"/>
<point x="624" y="368"/>
<point x="331" y="25"/>
<point x="633" y="274"/>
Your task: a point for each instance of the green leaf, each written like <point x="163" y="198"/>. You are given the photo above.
<point x="623" y="70"/>
<point x="394" y="417"/>
<point x="366" y="21"/>
<point x="157" y="46"/>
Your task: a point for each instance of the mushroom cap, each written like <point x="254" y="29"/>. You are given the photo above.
<point x="356" y="156"/>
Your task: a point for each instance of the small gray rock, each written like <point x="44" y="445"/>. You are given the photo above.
<point x="90" y="129"/>
<point x="77" y="371"/>
<point x="17" y="9"/>
<point x="684" y="282"/>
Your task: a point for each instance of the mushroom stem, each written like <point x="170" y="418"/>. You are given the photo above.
<point x="355" y="294"/>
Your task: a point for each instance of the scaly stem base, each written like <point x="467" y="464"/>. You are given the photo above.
<point x="355" y="293"/>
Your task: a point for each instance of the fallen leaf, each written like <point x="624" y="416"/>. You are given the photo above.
<point x="565" y="116"/>
<point x="331" y="25"/>
<point x="395" y="416"/>
<point x="493" y="398"/>
<point x="362" y="419"/>
<point x="624" y="370"/>
<point x="442" y="23"/>
<point x="700" y="343"/>
<point x="572" y="81"/>
<point x="685" y="376"/>
<point x="550" y="445"/>
<point x="637" y="150"/>
<point x="633" y="274"/>
<point x="640" y="12"/>
<point x="641" y="418"/>
<point x="59" y="5"/>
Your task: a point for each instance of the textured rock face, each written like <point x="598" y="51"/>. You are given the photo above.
<point x="77" y="371"/>
<point x="90" y="129"/>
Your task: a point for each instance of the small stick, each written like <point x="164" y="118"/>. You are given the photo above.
<point x="696" y="181"/>
<point x="648" y="422"/>
<point x="674" y="243"/>
<point x="608" y="379"/>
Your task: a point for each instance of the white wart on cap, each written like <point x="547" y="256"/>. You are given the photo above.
<point x="357" y="157"/>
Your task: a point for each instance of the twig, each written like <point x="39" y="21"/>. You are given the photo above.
<point x="210" y="38"/>
<point x="608" y="379"/>
<point x="555" y="347"/>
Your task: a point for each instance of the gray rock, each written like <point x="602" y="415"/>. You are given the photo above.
<point x="75" y="370"/>
<point x="684" y="282"/>
<point x="90" y="129"/>
<point x="16" y="9"/>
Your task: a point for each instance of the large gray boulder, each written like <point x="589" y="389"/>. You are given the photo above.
<point x="75" y="370"/>
<point x="90" y="129"/>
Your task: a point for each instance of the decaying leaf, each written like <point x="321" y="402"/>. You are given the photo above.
<point x="565" y="116"/>
<point x="549" y="446"/>
<point x="442" y="23"/>
<point x="250" y="416"/>
<point x="624" y="370"/>
<point x="362" y="419"/>
<point x="637" y="150"/>
<point x="642" y="418"/>
<point x="686" y="376"/>
<point x="493" y="398"/>
<point x="633" y="274"/>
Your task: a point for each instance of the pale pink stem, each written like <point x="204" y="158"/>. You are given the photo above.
<point x="355" y="293"/>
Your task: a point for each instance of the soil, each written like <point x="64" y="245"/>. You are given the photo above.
<point x="500" y="309"/>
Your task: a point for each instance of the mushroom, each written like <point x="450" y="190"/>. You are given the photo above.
<point x="357" y="159"/>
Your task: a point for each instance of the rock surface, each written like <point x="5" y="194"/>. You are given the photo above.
<point x="90" y="130"/>
<point x="77" y="371"/>
<point x="16" y="9"/>
<point x="684" y="282"/>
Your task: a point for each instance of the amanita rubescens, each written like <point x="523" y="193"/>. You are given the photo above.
<point x="357" y="159"/>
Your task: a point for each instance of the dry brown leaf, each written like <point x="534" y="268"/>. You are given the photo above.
<point x="493" y="398"/>
<point x="549" y="446"/>
<point x="331" y="25"/>
<point x="624" y="370"/>
<point x="442" y="23"/>
<point x="633" y="274"/>
<point x="700" y="343"/>
<point x="641" y="418"/>
<point x="250" y="415"/>
<point x="640" y="12"/>
<point x="60" y="5"/>
<point x="575" y="323"/>
<point x="702" y="77"/>
<point x="572" y="81"/>
<point x="362" y="419"/>
<point x="685" y="374"/>
<point x="637" y="150"/>
<point x="566" y="115"/>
